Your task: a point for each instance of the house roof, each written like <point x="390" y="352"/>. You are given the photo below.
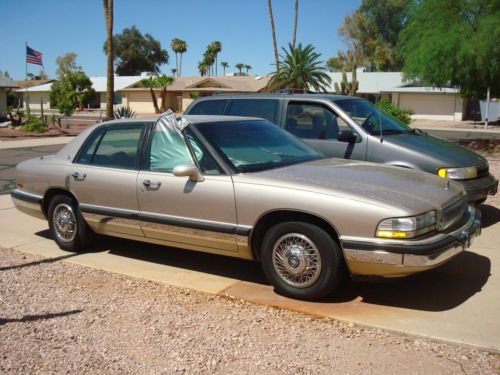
<point x="423" y="90"/>
<point x="34" y="82"/>
<point x="6" y="82"/>
<point x="223" y="84"/>
<point x="98" y="83"/>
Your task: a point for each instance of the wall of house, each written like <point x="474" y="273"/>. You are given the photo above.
<point x="3" y="102"/>
<point x="140" y="101"/>
<point x="34" y="100"/>
<point x="431" y="106"/>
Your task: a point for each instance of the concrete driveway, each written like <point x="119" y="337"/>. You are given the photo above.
<point x="459" y="302"/>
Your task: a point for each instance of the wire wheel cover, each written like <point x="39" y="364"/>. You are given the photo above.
<point x="64" y="221"/>
<point x="297" y="260"/>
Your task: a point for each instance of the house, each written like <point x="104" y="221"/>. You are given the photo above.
<point x="426" y="102"/>
<point x="6" y="85"/>
<point x="185" y="89"/>
<point x="130" y="91"/>
<point x="40" y="95"/>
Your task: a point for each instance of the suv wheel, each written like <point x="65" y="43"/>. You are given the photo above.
<point x="301" y="260"/>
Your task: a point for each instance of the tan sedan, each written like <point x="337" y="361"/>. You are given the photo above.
<point x="243" y="187"/>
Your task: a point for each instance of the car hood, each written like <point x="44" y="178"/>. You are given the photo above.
<point x="375" y="183"/>
<point x="445" y="153"/>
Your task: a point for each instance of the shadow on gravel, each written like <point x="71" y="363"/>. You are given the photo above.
<point x="32" y="318"/>
<point x="36" y="263"/>
<point x="490" y="215"/>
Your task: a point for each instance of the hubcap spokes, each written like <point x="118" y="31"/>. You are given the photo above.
<point x="296" y="259"/>
<point x="64" y="222"/>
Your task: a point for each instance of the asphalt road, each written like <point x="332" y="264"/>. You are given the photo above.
<point x="10" y="157"/>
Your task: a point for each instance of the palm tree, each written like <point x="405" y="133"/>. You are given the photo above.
<point x="151" y="84"/>
<point x="276" y="58"/>
<point x="110" y="85"/>
<point x="295" y="22"/>
<point x="202" y="68"/>
<point x="158" y="82"/>
<point x="174" y="71"/>
<point x="240" y="66"/>
<point x="179" y="47"/>
<point x="224" y="65"/>
<point x="248" y="67"/>
<point x="300" y="69"/>
<point x="216" y="48"/>
<point x="209" y="59"/>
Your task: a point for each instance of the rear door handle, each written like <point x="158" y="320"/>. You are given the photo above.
<point x="151" y="184"/>
<point x="79" y="176"/>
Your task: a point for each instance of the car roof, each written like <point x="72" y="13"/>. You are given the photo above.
<point x="333" y="97"/>
<point x="193" y="119"/>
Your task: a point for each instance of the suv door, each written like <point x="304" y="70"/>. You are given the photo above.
<point x="182" y="212"/>
<point x="318" y="125"/>
<point x="103" y="178"/>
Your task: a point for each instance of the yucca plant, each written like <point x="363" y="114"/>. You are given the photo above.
<point x="124" y="112"/>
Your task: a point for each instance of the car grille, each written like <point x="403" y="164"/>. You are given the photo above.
<point x="453" y="213"/>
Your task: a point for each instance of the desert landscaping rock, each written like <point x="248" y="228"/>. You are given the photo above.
<point x="57" y="317"/>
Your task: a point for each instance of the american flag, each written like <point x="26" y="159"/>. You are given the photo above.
<point x="33" y="57"/>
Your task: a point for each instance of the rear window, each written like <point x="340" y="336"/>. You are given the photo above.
<point x="263" y="108"/>
<point x="209" y="107"/>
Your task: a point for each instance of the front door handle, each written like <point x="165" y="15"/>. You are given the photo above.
<point x="151" y="184"/>
<point x="79" y="176"/>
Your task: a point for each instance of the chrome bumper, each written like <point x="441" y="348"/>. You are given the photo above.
<point x="28" y="203"/>
<point x="417" y="255"/>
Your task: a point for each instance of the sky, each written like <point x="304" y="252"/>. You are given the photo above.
<point x="54" y="27"/>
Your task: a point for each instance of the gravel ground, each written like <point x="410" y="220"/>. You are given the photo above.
<point x="495" y="171"/>
<point x="57" y="317"/>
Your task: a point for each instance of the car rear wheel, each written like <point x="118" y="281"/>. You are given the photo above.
<point x="67" y="226"/>
<point x="301" y="260"/>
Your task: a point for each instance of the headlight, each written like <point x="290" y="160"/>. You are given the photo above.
<point x="458" y="173"/>
<point x="407" y="227"/>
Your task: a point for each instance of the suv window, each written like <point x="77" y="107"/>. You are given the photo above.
<point x="209" y="107"/>
<point x="113" y="147"/>
<point x="313" y="121"/>
<point x="263" y="108"/>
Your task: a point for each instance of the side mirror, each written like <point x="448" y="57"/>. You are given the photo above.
<point x="189" y="170"/>
<point x="347" y="136"/>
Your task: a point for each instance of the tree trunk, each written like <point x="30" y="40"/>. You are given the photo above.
<point x="110" y="86"/>
<point x="295" y="23"/>
<point x="276" y="57"/>
<point x="163" y="100"/>
<point x="179" y="72"/>
<point x="153" y="98"/>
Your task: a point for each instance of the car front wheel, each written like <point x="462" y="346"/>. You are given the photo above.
<point x="301" y="260"/>
<point x="66" y="224"/>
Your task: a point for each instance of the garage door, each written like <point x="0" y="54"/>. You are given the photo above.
<point x="430" y="105"/>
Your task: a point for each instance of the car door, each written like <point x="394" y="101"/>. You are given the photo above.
<point x="103" y="178"/>
<point x="319" y="126"/>
<point x="185" y="213"/>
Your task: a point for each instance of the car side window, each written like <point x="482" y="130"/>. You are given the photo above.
<point x="117" y="147"/>
<point x="263" y="108"/>
<point x="313" y="121"/>
<point x="209" y="107"/>
<point x="88" y="150"/>
<point x="206" y="162"/>
<point x="167" y="150"/>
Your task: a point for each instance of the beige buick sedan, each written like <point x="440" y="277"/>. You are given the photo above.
<point x="245" y="188"/>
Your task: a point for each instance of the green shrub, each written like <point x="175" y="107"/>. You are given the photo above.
<point x="33" y="125"/>
<point x="402" y="114"/>
<point x="123" y="112"/>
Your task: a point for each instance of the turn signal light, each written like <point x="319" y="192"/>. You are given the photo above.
<point x="391" y="234"/>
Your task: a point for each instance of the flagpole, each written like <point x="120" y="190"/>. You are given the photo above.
<point x="26" y="80"/>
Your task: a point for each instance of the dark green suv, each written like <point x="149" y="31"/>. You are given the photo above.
<point x="353" y="128"/>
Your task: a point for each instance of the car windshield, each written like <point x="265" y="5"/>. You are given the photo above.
<point x="256" y="145"/>
<point x="371" y="118"/>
